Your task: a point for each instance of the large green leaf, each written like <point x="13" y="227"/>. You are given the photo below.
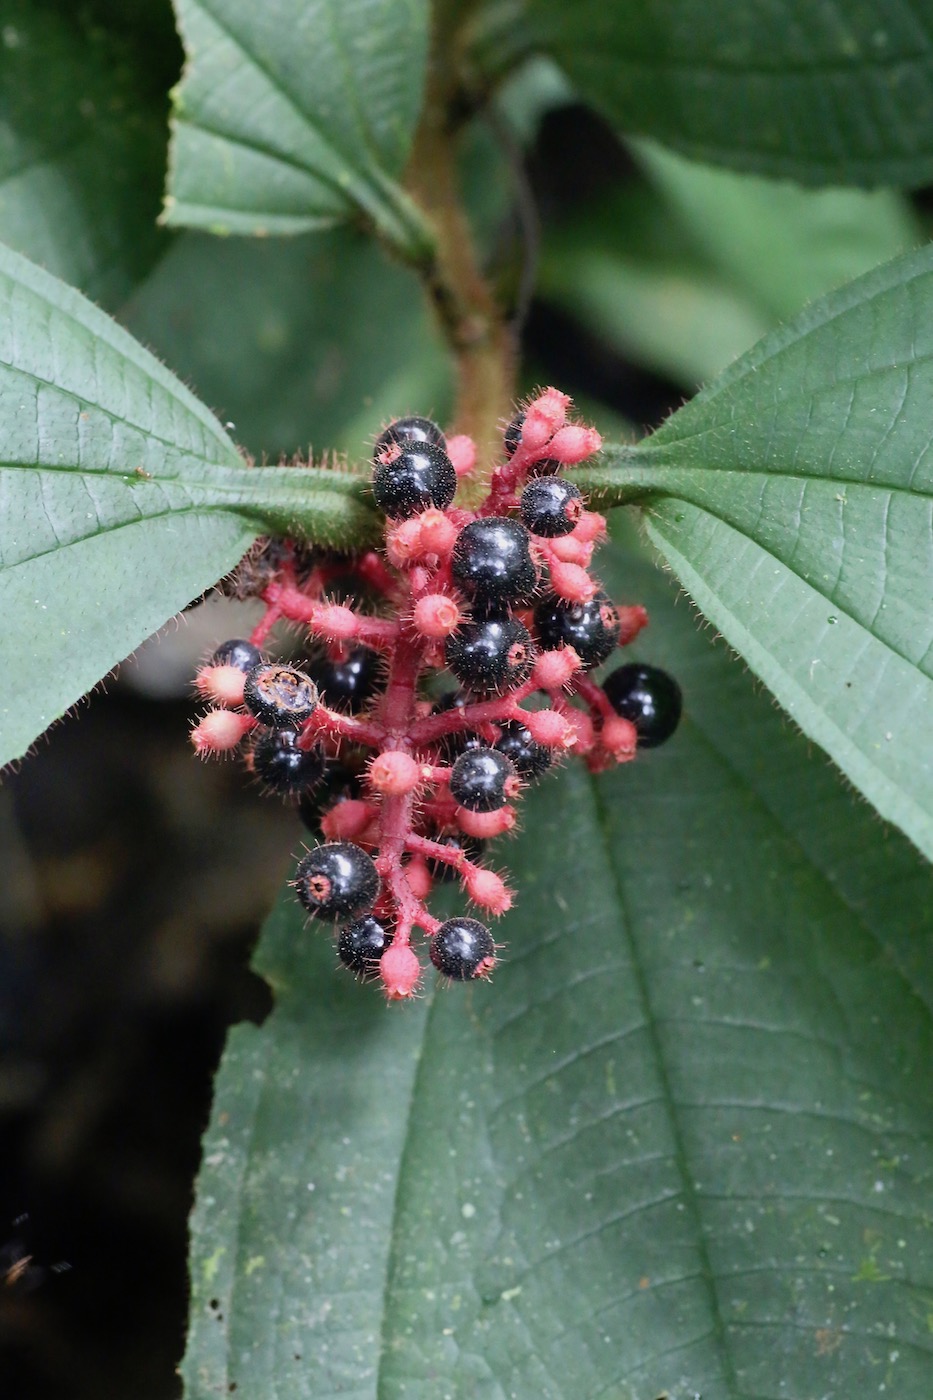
<point x="793" y="500"/>
<point x="822" y="93"/>
<point x="82" y="150"/>
<point x="121" y="498"/>
<point x="681" y="1146"/>
<point x="296" y="115"/>
<point x="309" y="340"/>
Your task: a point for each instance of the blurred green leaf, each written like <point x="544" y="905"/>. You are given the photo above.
<point x="82" y="150"/>
<point x="121" y="498"/>
<point x="680" y="1146"/>
<point x="793" y="499"/>
<point x="823" y="94"/>
<point x="313" y="340"/>
<point x="296" y="115"/>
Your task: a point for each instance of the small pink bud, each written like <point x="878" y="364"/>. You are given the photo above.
<point x="570" y="550"/>
<point x="488" y="890"/>
<point x="554" y="669"/>
<point x="543" y="417"/>
<point x="485" y="824"/>
<point x="222" y="684"/>
<point x="332" y="620"/>
<point x="620" y="738"/>
<point x="403" y="542"/>
<point x="550" y="728"/>
<point x="419" y="877"/>
<point x="631" y="621"/>
<point x="571" y="583"/>
<point x="462" y="452"/>
<point x="400" y="972"/>
<point x="590" y="526"/>
<point x="394" y="773"/>
<point x="348" y="820"/>
<point x="220" y="731"/>
<point x="436" y="616"/>
<point x="573" y="444"/>
<point x="437" y="533"/>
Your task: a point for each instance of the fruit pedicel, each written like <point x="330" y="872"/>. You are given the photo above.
<point x="407" y="784"/>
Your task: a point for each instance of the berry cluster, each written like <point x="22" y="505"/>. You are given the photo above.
<point x="407" y="785"/>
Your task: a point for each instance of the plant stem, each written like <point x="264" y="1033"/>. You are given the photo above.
<point x="472" y="322"/>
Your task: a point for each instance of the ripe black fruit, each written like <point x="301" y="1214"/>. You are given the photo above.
<point x="463" y="948"/>
<point x="237" y="653"/>
<point x="337" y="881"/>
<point x="420" y="476"/>
<point x="362" y="944"/>
<point x="349" y="681"/>
<point x="530" y="758"/>
<point x="647" y="696"/>
<point x="592" y="628"/>
<point x="482" y="779"/>
<point x="550" y="506"/>
<point x="490" y="655"/>
<point x="491" y="562"/>
<point x="283" y="766"/>
<point x="406" y="430"/>
<point x="280" y="696"/>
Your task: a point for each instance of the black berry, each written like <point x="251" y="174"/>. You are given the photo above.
<point x="420" y="476"/>
<point x="283" y="766"/>
<point x="350" y="681"/>
<point x="238" y="653"/>
<point x="490" y="655"/>
<point x="482" y="779"/>
<point x="550" y="506"/>
<point x="337" y="881"/>
<point x="530" y="759"/>
<point x="492" y="563"/>
<point x="647" y="696"/>
<point x="463" y="948"/>
<point x="362" y="944"/>
<point x="280" y="696"/>
<point x="407" y="430"/>
<point x="592" y="628"/>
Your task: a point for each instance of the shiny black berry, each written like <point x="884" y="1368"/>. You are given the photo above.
<point x="592" y="628"/>
<point x="238" y="653"/>
<point x="419" y="477"/>
<point x="492" y="563"/>
<point x="283" y="766"/>
<point x="348" y="682"/>
<point x="337" y="881"/>
<point x="463" y="948"/>
<point x="280" y="696"/>
<point x="490" y="655"/>
<point x="647" y="696"/>
<point x="406" y="430"/>
<point x="530" y="759"/>
<point x="362" y="944"/>
<point x="471" y="847"/>
<point x="550" y="506"/>
<point x="482" y="780"/>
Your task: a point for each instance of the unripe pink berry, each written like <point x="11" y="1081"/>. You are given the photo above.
<point x="590" y="526"/>
<point x="582" y="726"/>
<point x="348" y="820"/>
<point x="394" y="773"/>
<point x="551" y="729"/>
<point x="619" y="737"/>
<point x="543" y="417"/>
<point x="400" y="972"/>
<point x="462" y="452"/>
<point x="334" y="621"/>
<point x="571" y="583"/>
<point x="569" y="550"/>
<point x="554" y="669"/>
<point x="436" y="616"/>
<point x="403" y="542"/>
<point x="419" y="877"/>
<point x="631" y="621"/>
<point x="488" y="890"/>
<point x="485" y="824"/>
<point x="573" y="444"/>
<point x="222" y="684"/>
<point x="220" y="731"/>
<point x="438" y="534"/>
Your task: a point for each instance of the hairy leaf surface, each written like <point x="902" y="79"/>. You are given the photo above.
<point x="680" y="1146"/>
<point x="121" y="498"/>
<point x="295" y="115"/>
<point x="794" y="499"/>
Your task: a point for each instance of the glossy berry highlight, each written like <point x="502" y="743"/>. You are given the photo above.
<point x="337" y="881"/>
<point x="462" y="949"/>
<point x="649" y="698"/>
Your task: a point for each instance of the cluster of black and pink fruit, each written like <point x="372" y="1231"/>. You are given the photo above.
<point x="407" y="784"/>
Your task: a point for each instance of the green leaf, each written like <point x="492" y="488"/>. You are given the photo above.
<point x="293" y="116"/>
<point x="823" y="95"/>
<point x="793" y="500"/>
<point x="314" y="340"/>
<point x="121" y="498"/>
<point x="680" y="1146"/>
<point x="82" y="151"/>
